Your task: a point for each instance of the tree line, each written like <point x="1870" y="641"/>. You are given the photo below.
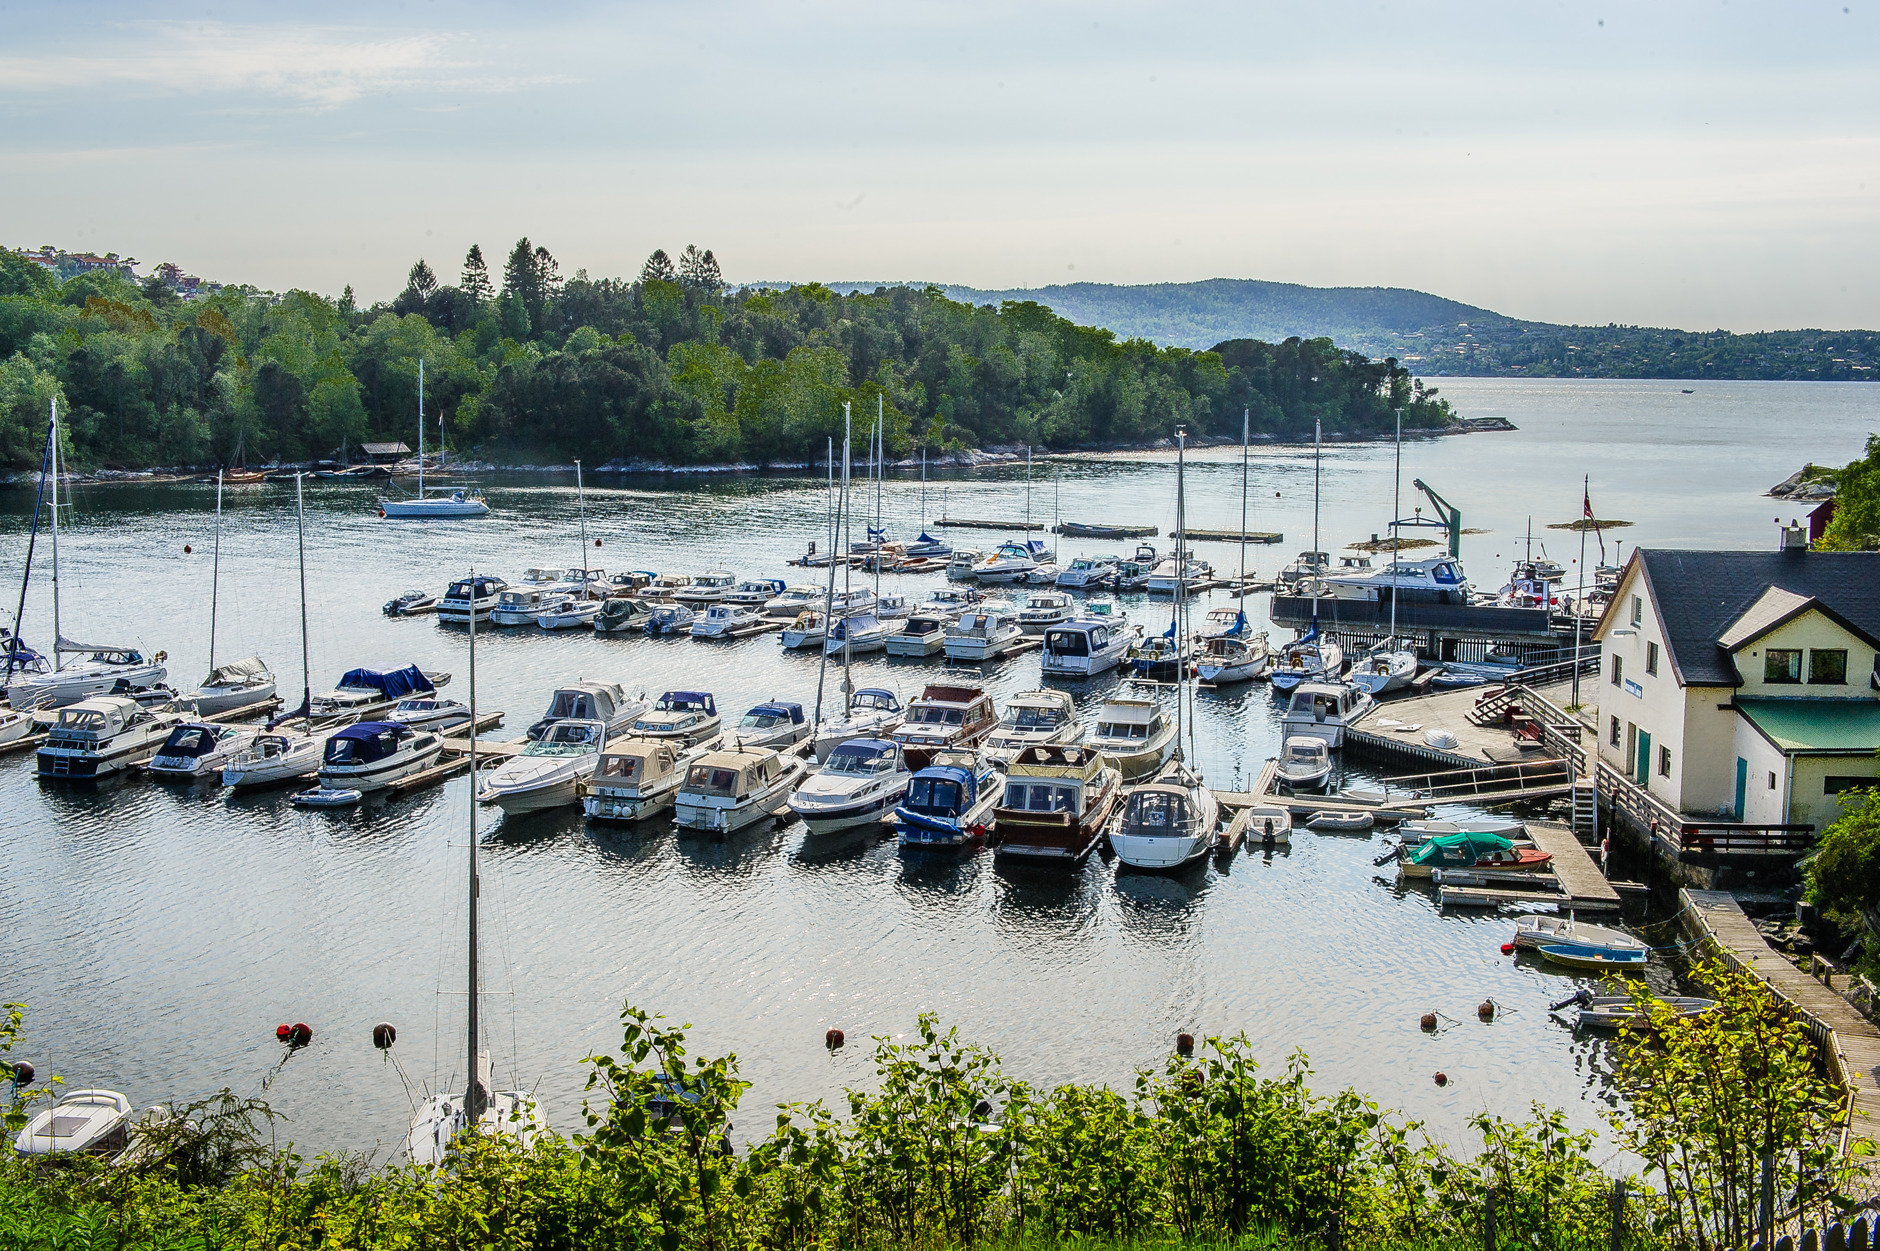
<point x="671" y="366"/>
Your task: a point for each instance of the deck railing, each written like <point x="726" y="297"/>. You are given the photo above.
<point x="1700" y="840"/>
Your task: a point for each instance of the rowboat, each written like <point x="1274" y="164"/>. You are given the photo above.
<point x="1587" y="956"/>
<point x="1340" y="822"/>
<point x="1612" y="1011"/>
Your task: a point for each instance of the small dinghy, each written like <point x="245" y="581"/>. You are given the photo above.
<point x="1340" y="822"/>
<point x="1533" y="933"/>
<point x="1441" y="740"/>
<point x="1598" y="959"/>
<point x="328" y="797"/>
<point x="1612" y="1011"/>
<point x="85" y="1120"/>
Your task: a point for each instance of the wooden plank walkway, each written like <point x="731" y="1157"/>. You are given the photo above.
<point x="1849" y="1042"/>
<point x="24" y="744"/>
<point x="1580" y="878"/>
<point x="1476" y="745"/>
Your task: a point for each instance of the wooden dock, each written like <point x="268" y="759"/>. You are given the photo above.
<point x="1265" y="790"/>
<point x="1233" y="536"/>
<point x="1397" y="727"/>
<point x="968" y="523"/>
<point x="27" y="743"/>
<point x="1084" y="530"/>
<point x="1584" y="885"/>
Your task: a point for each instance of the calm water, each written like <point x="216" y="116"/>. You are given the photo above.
<point x="159" y="934"/>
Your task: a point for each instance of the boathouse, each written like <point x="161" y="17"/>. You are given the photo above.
<point x="1744" y="686"/>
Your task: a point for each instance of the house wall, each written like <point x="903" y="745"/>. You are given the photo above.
<point x="1653" y="703"/>
<point x="1707" y="775"/>
<point x="1810" y="631"/>
<point x="1807" y="800"/>
<point x="1761" y="805"/>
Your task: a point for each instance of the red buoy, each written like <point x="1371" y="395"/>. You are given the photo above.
<point x="283" y="1032"/>
<point x="1486" y="1010"/>
<point x="1184" y="1044"/>
<point x="833" y="1039"/>
<point x="187" y="549"/>
<point x="597" y="542"/>
<point x="1429" y="1020"/>
<point x="381" y="512"/>
<point x="1442" y="1078"/>
<point x="300" y="1034"/>
<point x="1507" y="949"/>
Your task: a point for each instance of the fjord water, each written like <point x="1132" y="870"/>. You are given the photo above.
<point x="158" y="934"/>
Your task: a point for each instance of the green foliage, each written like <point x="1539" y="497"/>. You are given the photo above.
<point x="1856" y="522"/>
<point x="18" y="1109"/>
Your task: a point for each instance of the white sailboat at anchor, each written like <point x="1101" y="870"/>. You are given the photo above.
<point x="462" y="502"/>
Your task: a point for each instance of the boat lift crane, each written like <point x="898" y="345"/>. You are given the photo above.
<point x="1449" y="517"/>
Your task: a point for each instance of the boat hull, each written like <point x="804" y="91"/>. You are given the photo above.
<point x="219" y="701"/>
<point x="628" y="808"/>
<point x="833" y="818"/>
<point x="380" y="773"/>
<point x="421" y="509"/>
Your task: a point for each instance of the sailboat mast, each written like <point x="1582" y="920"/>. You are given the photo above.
<point x="14" y="645"/>
<point x="1181" y="576"/>
<point x="421" y="428"/>
<point x="881" y="471"/>
<point x="829" y="596"/>
<point x="923" y="488"/>
<point x="300" y="538"/>
<point x="473" y="1094"/>
<point x="1317" y="435"/>
<point x="846" y="505"/>
<point x="1246" y="417"/>
<point x="580" y="494"/>
<point x="1028" y="492"/>
<point x="1396" y="505"/>
<point x="215" y="576"/>
<point x="58" y="631"/>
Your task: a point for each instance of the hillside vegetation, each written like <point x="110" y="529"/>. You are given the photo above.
<point x="669" y="367"/>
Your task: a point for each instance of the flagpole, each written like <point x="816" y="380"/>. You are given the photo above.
<point x="1579" y="597"/>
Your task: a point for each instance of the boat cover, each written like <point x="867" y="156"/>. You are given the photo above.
<point x="233" y="673"/>
<point x="793" y="713"/>
<point x="936" y="797"/>
<point x="393" y="685"/>
<point x="687" y="701"/>
<point x="927" y="538"/>
<point x="1459" y="851"/>
<point x="366" y="742"/>
<point x="875" y="697"/>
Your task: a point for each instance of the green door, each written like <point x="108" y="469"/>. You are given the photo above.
<point x="1742" y="785"/>
<point x="1644" y="774"/>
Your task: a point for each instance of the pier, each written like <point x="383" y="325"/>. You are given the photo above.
<point x="1234" y="536"/>
<point x="967" y="523"/>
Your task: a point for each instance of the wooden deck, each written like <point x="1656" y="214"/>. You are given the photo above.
<point x="1580" y="879"/>
<point x="1396" y="727"/>
<point x="1233" y="536"/>
<point x="967" y="523"/>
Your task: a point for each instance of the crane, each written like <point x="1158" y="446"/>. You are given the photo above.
<point x="1449" y="517"/>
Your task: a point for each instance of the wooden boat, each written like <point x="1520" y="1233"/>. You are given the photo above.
<point x="1596" y="959"/>
<point x="944" y="717"/>
<point x="1058" y="797"/>
<point x="1612" y="1011"/>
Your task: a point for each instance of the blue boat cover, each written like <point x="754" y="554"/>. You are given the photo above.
<point x="375" y="739"/>
<point x="393" y="685"/>
<point x="675" y="701"/>
<point x="883" y="699"/>
<point x="873" y="533"/>
<point x="927" y="538"/>
<point x="778" y="708"/>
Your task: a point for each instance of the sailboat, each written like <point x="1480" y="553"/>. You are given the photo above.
<point x="1169" y="822"/>
<point x="927" y="544"/>
<point x="103" y="669"/>
<point x="1312" y="657"/>
<point x="279" y="756"/>
<point x="239" y="684"/>
<point x="462" y="502"/>
<point x="442" y="1117"/>
<point x="1236" y="654"/>
<point x="1392" y="664"/>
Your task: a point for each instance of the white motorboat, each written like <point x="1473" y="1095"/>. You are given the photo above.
<point x="15" y="725"/>
<point x="520" y="605"/>
<point x="1042" y="610"/>
<point x="1387" y="667"/>
<point x="778" y="723"/>
<point x="429" y="712"/>
<point x="362" y="689"/>
<point x="892" y="609"/>
<point x="755" y="592"/>
<point x="792" y="600"/>
<point x="1135" y="735"/>
<point x="920" y="635"/>
<point x="808" y="630"/>
<point x="986" y="633"/>
<point x="372" y="754"/>
<point x="1531" y="933"/>
<point x="1269" y="825"/>
<point x="548" y="771"/>
<point x="1431" y="580"/>
<point x="1011" y="562"/>
<point x="1166" y="824"/>
<point x="1044" y="575"/>
<point x="964" y="566"/>
<point x="872" y="713"/>
<point x="1195" y="573"/>
<point x="197" y="749"/>
<point x="539" y="578"/>
<point x="1310" y="658"/>
<point x="103" y="735"/>
<point x="949" y="601"/>
<point x="669" y="618"/>
<point x="725" y="621"/>
<point x="666" y="586"/>
<point x="850" y="602"/>
<point x="94" y="1122"/>
<point x="465" y="598"/>
<point x="1226" y="658"/>
<point x="862" y="781"/>
<point x="1088" y="645"/>
<point x="1307" y="567"/>
<point x="1133" y="574"/>
<point x="708" y="588"/>
<point x="605" y="702"/>
<point x="728" y="790"/>
<point x="1304" y="762"/>
<point x="1324" y="710"/>
<point x="949" y="803"/>
<point x="856" y="635"/>
<point x="101" y="671"/>
<point x="620" y="615"/>
<point x="412" y="603"/>
<point x="272" y="758"/>
<point x="686" y="717"/>
<point x="636" y="778"/>
<point x="569" y="613"/>
<point x="1033" y="719"/>
<point x="1086" y="572"/>
<point x="233" y="687"/>
<point x="927" y="546"/>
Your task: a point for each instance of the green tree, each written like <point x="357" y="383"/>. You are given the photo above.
<point x="475" y="282"/>
<point x="1856" y="522"/>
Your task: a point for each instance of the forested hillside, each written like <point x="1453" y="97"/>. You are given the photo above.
<point x="668" y="367"/>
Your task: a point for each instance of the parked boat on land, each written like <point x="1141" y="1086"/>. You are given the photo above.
<point x="873" y="712"/>
<point x="103" y="735"/>
<point x="549" y="771"/>
<point x="197" y="749"/>
<point x="1033" y="719"/>
<point x="373" y="754"/>
<point x="1058" y="799"/>
<point x="1135" y="735"/>
<point x="725" y="791"/>
<point x="861" y="782"/>
<point x="636" y="778"/>
<point x="949" y="802"/>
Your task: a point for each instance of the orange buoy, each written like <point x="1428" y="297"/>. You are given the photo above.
<point x="1429" y="1020"/>
<point x="1184" y="1044"/>
<point x="1486" y="1009"/>
<point x="1442" y="1078"/>
<point x="833" y="1039"/>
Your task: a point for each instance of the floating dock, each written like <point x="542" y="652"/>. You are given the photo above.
<point x="1234" y="536"/>
<point x="1082" y="530"/>
<point x="967" y="523"/>
<point x="1398" y="728"/>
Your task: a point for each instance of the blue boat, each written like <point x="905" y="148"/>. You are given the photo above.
<point x="1593" y="957"/>
<point x="950" y="802"/>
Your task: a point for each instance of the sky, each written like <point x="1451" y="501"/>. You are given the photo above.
<point x="1701" y="164"/>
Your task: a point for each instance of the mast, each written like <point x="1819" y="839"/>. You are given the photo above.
<point x="846" y="506"/>
<point x="822" y="664"/>
<point x="1396" y="505"/>
<point x="58" y="632"/>
<point x="1316" y="435"/>
<point x="1028" y="492"/>
<point x="1579" y="597"/>
<point x="923" y="488"/>
<point x="581" y="502"/>
<point x="473" y="1093"/>
<point x="300" y="538"/>
<point x="14" y="645"/>
<point x="215" y="577"/>
<point x="881" y="470"/>
<point x="1246" y="417"/>
<point x="1181" y="581"/>
<point x="421" y="453"/>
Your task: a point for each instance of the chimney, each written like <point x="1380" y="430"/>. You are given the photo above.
<point x="1794" y="537"/>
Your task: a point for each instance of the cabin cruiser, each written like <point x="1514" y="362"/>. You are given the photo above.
<point x="568" y="613"/>
<point x="1135" y="735"/>
<point x="539" y="577"/>
<point x="605" y="702"/>
<point x="199" y="749"/>
<point x="1309" y="658"/>
<point x="927" y="546"/>
<point x="93" y="1122"/>
<point x="807" y="630"/>
<point x="728" y="790"/>
<point x="1166" y="824"/>
<point x="1304" y="761"/>
<point x="892" y="608"/>
<point x="360" y="689"/>
<point x="848" y="603"/>
<point x="862" y="781"/>
<point x="410" y="604"/>
<point x="1012" y="561"/>
<point x="944" y="717"/>
<point x="620" y="615"/>
<point x="792" y="600"/>
<point x="1057" y="800"/>
<point x="429" y="713"/>
<point x="1088" y="645"/>
<point x="102" y="735"/>
<point x="1324" y="710"/>
<point x="549" y="770"/>
<point x="636" y="778"/>
<point x="855" y="635"/>
<point x="920" y="635"/>
<point x="754" y="592"/>
<point x="1088" y="571"/>
<point x="1042" y="610"/>
<point x="373" y="754"/>
<point x="725" y="621"/>
<point x="949" y="802"/>
<point x="708" y="588"/>
<point x="102" y="671"/>
<point x="985" y="633"/>
<point x="964" y="566"/>
<point x="632" y="582"/>
<point x="275" y="757"/>
<point x="778" y="724"/>
<point x="949" y="601"/>
<point x="686" y="717"/>
<point x="1226" y="658"/>
<point x="666" y="586"/>
<point x="1433" y="580"/>
<point x="872" y="713"/>
<point x="1033" y="718"/>
<point x="1306" y="567"/>
<point x="1133" y="573"/>
<point x="584" y="583"/>
<point x="463" y="599"/>
<point x="519" y="605"/>
<point x="1390" y="666"/>
<point x="234" y="686"/>
<point x="1158" y="659"/>
<point x="668" y="618"/>
<point x="1196" y="573"/>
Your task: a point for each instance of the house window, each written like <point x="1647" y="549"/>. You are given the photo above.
<point x="1827" y="667"/>
<point x="1781" y="664"/>
<point x="1772" y="779"/>
<point x="1615" y="732"/>
<point x="1651" y="659"/>
<point x="1836" y="785"/>
<point x="1618" y="670"/>
<point x="1638" y="611"/>
<point x="1664" y="762"/>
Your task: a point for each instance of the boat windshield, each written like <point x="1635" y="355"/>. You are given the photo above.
<point x="188" y="740"/>
<point x="859" y="761"/>
<point x="712" y="780"/>
<point x="1038" y="718"/>
<point x="761" y="721"/>
<point x="566" y="740"/>
<point x="626" y="767"/>
<point x="1158" y="813"/>
<point x="417" y="705"/>
<point x="81" y="719"/>
<point x="1067" y="643"/>
<point x="1122" y="729"/>
<point x="1306" y="753"/>
<point x="934" y="796"/>
<point x="1040" y="797"/>
<point x="937" y="716"/>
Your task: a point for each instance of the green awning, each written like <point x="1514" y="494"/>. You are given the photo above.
<point x="1816" y="726"/>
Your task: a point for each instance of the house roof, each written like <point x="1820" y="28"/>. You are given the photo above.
<point x="1816" y="726"/>
<point x="1702" y="597"/>
<point x="384" y="449"/>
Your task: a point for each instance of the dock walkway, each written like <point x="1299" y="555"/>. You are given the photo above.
<point x="1398" y="727"/>
<point x="1580" y="878"/>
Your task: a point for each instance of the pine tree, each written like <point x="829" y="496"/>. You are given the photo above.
<point x="475" y="283"/>
<point x="547" y="274"/>
<point x="699" y="270"/>
<point x="658" y="267"/>
<point x="421" y="281"/>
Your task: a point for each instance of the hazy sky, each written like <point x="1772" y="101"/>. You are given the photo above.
<point x="1696" y="164"/>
